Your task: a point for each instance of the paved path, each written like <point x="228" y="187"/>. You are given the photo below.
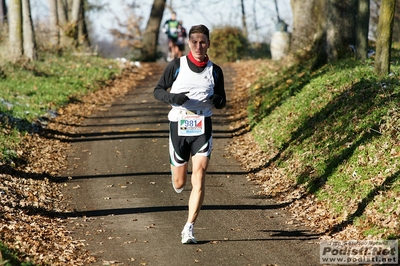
<point x="128" y="212"/>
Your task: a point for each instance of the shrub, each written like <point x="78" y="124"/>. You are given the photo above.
<point x="228" y="44"/>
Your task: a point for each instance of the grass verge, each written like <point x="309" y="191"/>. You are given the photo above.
<point x="335" y="133"/>
<point x="10" y="258"/>
<point x="32" y="92"/>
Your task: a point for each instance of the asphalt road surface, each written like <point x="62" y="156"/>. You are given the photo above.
<point x="128" y="213"/>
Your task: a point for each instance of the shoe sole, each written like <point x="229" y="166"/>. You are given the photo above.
<point x="190" y="241"/>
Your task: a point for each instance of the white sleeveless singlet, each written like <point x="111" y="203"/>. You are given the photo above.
<point x="199" y="88"/>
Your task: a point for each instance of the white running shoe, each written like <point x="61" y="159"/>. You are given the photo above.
<point x="187" y="235"/>
<point x="177" y="190"/>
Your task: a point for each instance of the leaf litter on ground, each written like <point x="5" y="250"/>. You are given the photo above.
<point x="32" y="205"/>
<point x="31" y="199"/>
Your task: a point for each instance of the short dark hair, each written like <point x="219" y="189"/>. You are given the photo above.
<point x="199" y="29"/>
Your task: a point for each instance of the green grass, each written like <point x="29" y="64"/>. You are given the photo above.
<point x="10" y="258"/>
<point x="32" y="90"/>
<point x="335" y="132"/>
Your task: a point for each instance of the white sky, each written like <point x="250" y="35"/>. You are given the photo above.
<point x="208" y="12"/>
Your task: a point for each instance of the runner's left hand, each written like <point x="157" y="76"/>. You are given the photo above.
<point x="216" y="100"/>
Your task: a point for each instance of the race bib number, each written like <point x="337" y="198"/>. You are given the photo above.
<point x="190" y="125"/>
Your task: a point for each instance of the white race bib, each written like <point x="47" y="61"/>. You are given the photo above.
<point x="190" y="125"/>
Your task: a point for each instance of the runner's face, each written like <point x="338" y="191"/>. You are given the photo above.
<point x="198" y="44"/>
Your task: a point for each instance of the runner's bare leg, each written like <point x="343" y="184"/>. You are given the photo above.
<point x="200" y="164"/>
<point x="179" y="174"/>
<point x="172" y="48"/>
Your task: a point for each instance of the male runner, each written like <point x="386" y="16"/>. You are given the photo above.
<point x="196" y="85"/>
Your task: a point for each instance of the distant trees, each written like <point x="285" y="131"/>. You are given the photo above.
<point x="28" y="34"/>
<point x="324" y="30"/>
<point x="244" y="24"/>
<point x="53" y="24"/>
<point x="335" y="29"/>
<point x="21" y="35"/>
<point x="67" y="24"/>
<point x="129" y="34"/>
<point x="62" y="23"/>
<point x="78" y="22"/>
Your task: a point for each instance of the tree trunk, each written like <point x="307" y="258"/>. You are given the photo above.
<point x="150" y="37"/>
<point x="63" y="23"/>
<point x="384" y="40"/>
<point x="54" y="30"/>
<point x="362" y="27"/>
<point x="3" y="13"/>
<point x="308" y="23"/>
<point x="29" y="42"/>
<point x="396" y="23"/>
<point x="309" y="30"/>
<point x="83" y="34"/>
<point x="75" y="11"/>
<point x="78" y="21"/>
<point x="69" y="8"/>
<point x="277" y="11"/>
<point x="244" y="24"/>
<point x="340" y="28"/>
<point x="15" y="29"/>
<point x="255" y="22"/>
<point x="75" y="19"/>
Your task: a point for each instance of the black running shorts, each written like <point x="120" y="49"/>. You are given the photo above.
<point x="181" y="147"/>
